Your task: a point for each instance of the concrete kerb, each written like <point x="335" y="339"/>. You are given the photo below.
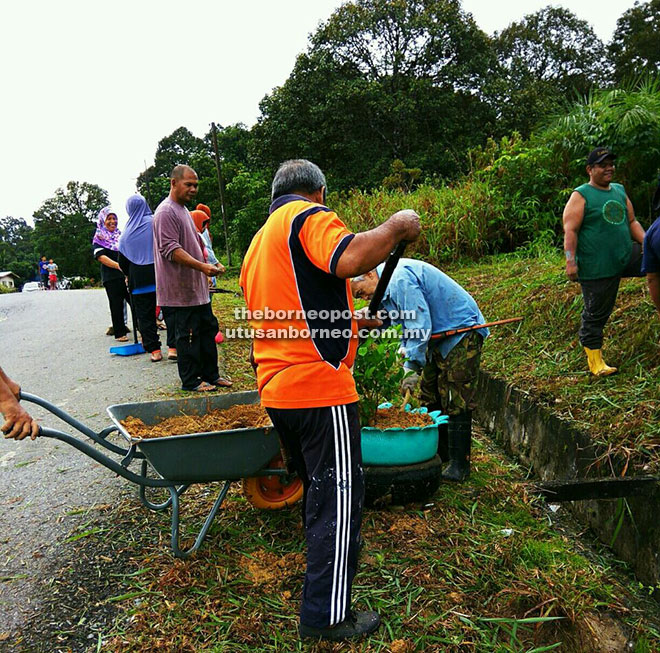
<point x="554" y="449"/>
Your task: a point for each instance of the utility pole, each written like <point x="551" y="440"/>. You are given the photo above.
<point x="221" y="189"/>
<point x="146" y="179"/>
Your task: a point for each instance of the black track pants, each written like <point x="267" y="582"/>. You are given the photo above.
<point x="324" y="448"/>
<point x="145" y="313"/>
<point x="197" y="354"/>
<point x="117" y="294"/>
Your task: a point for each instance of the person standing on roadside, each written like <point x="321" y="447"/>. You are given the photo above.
<point x="136" y="259"/>
<point x="105" y="246"/>
<point x="299" y="263"/>
<point x="599" y="230"/>
<point x="52" y="274"/>
<point x="182" y="287"/>
<point x="43" y="272"/>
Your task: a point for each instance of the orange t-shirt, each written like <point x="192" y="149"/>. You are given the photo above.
<point x="305" y="337"/>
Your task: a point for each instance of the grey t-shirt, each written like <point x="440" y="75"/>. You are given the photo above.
<point x="176" y="284"/>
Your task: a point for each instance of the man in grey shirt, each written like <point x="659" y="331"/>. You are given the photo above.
<point x="182" y="287"/>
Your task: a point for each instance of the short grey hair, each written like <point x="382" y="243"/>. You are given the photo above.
<point x="297" y="175"/>
<point x="180" y="170"/>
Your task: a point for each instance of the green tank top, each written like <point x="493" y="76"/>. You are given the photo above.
<point x="604" y="242"/>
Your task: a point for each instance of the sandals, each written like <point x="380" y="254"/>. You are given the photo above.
<point x="156" y="356"/>
<point x="204" y="387"/>
<point x="122" y="339"/>
<point x="223" y="383"/>
<point x="171" y="354"/>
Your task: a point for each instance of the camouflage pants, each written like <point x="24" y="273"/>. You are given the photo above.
<point x="451" y="382"/>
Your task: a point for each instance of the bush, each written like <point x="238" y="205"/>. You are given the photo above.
<point x="79" y="283"/>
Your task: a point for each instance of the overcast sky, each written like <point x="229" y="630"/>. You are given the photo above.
<point x="89" y="88"/>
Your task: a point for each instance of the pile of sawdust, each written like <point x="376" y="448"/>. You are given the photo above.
<point x="235" y="417"/>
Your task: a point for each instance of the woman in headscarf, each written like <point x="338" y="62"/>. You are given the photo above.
<point x="105" y="246"/>
<point x="136" y="259"/>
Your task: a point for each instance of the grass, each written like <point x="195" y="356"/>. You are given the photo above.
<point x="481" y="568"/>
<point x="543" y="356"/>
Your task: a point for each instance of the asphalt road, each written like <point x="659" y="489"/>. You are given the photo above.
<point x="54" y="345"/>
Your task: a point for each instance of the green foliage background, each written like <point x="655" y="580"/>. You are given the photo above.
<point x="393" y="96"/>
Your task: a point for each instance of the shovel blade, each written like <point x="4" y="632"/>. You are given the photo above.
<point x="128" y="350"/>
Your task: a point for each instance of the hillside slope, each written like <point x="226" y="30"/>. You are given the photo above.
<point x="542" y="355"/>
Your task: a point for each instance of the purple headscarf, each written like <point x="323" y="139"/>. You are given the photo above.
<point x="103" y="237"/>
<point x="137" y="242"/>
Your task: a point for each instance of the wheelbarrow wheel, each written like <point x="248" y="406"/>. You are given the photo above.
<point x="273" y="492"/>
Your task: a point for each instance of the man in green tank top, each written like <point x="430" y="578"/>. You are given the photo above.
<point x="599" y="230"/>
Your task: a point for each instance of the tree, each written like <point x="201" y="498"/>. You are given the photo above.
<point x="250" y="192"/>
<point x="180" y="147"/>
<point x="17" y="248"/>
<point x="545" y="61"/>
<point x="382" y="80"/>
<point x="635" y="46"/>
<point x="64" y="226"/>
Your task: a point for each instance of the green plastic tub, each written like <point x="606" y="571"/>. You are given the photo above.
<point x="401" y="446"/>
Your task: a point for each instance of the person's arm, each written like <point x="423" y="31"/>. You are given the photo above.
<point x="108" y="262"/>
<point x="653" y="282"/>
<point x="18" y="423"/>
<point x="182" y="257"/>
<point x="573" y="216"/>
<point x="167" y="242"/>
<point x="369" y="248"/>
<point x="636" y="229"/>
<point x="104" y="259"/>
<point x="124" y="264"/>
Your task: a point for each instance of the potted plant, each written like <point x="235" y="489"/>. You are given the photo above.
<point x="399" y="457"/>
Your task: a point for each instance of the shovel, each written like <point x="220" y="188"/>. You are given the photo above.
<point x="136" y="348"/>
<point x="388" y="270"/>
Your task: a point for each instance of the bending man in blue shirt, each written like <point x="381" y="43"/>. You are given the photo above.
<point x="427" y="302"/>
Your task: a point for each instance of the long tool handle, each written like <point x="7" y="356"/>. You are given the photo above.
<point x="388" y="270"/>
<point x="452" y="332"/>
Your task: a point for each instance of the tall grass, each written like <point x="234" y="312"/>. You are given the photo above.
<point x="469" y="219"/>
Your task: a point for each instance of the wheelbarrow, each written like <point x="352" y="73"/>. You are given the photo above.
<point x="250" y="455"/>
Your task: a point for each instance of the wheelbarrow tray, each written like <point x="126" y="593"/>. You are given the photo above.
<point x="197" y="457"/>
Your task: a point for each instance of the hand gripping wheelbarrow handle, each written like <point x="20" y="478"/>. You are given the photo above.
<point x="385" y="277"/>
<point x="88" y="449"/>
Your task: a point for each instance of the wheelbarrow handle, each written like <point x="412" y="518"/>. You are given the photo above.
<point x="101" y="458"/>
<point x="385" y="277"/>
<point x="99" y="438"/>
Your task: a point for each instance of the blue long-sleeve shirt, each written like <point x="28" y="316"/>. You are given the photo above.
<point x="438" y="303"/>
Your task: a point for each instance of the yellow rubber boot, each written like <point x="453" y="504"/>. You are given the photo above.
<point x="597" y="365"/>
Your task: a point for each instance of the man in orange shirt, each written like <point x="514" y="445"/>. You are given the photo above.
<point x="295" y="281"/>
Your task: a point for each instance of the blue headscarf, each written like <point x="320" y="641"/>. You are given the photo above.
<point x="137" y="241"/>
